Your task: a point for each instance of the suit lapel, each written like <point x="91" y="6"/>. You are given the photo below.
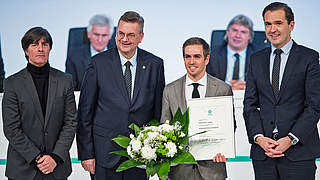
<point x="140" y="74"/>
<point x="180" y="94"/>
<point x="265" y="66"/>
<point x="118" y="75"/>
<point x="224" y="62"/>
<point x="291" y="63"/>
<point x="32" y="91"/>
<point x="52" y="89"/>
<point x="212" y="88"/>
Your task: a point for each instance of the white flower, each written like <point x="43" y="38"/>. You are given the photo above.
<point x="136" y="145"/>
<point x="172" y="149"/>
<point x="163" y="138"/>
<point x="131" y="136"/>
<point x="129" y="151"/>
<point x="182" y="134"/>
<point x="153" y="128"/>
<point x="166" y="127"/>
<point x="147" y="141"/>
<point x="167" y="122"/>
<point x="148" y="153"/>
<point x="153" y="135"/>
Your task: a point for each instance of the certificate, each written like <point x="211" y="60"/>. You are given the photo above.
<point x="215" y="116"/>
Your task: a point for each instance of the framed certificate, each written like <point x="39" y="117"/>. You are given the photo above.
<point x="215" y="116"/>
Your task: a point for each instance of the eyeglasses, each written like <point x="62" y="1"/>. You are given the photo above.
<point x="130" y="36"/>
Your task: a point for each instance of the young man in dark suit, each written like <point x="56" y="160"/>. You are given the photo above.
<point x="39" y="115"/>
<point x="121" y="86"/>
<point x="282" y="102"/>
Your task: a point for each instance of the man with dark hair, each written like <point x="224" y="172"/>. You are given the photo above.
<point x="39" y="114"/>
<point x="99" y="32"/>
<point x="121" y="86"/>
<point x="282" y="102"/>
<point x="195" y="84"/>
<point x="229" y="61"/>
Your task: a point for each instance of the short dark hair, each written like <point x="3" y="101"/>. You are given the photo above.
<point x="33" y="35"/>
<point x="280" y="6"/>
<point x="197" y="41"/>
<point x="132" y="17"/>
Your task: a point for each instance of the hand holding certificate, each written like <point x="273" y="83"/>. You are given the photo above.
<point x="214" y="115"/>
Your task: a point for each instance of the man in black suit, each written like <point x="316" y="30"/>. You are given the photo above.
<point x="121" y="86"/>
<point x="229" y="61"/>
<point x="39" y="115"/>
<point x="99" y="30"/>
<point x="282" y="102"/>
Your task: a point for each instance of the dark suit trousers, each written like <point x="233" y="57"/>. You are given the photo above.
<point x="40" y="176"/>
<point x="284" y="169"/>
<point x="129" y="174"/>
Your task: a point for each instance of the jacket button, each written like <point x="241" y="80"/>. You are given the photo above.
<point x="46" y="133"/>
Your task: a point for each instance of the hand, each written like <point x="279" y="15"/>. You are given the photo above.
<point x="266" y="143"/>
<point x="219" y="158"/>
<point x="284" y="144"/>
<point x="46" y="164"/>
<point x="238" y="84"/>
<point x="89" y="165"/>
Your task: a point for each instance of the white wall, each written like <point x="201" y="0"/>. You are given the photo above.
<point x="167" y="24"/>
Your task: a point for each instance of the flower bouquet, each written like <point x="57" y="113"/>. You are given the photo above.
<point x="157" y="146"/>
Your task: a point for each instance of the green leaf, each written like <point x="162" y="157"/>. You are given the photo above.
<point x="184" y="158"/>
<point x="121" y="153"/>
<point x="152" y="168"/>
<point x="177" y="117"/>
<point x="153" y="123"/>
<point x="164" y="170"/>
<point x="122" y="141"/>
<point x="128" y="164"/>
<point x="185" y="122"/>
<point x="135" y="128"/>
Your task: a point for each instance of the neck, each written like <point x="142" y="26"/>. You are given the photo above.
<point x="196" y="78"/>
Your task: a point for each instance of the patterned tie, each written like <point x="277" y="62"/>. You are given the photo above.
<point x="235" y="75"/>
<point x="195" y="92"/>
<point x="276" y="72"/>
<point x="128" y="78"/>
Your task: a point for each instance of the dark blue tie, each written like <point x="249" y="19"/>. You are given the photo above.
<point x="128" y="78"/>
<point x="276" y="72"/>
<point x="236" y="67"/>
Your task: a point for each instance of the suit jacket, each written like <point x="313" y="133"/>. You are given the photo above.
<point x="105" y="109"/>
<point x="217" y="66"/>
<point x="29" y="132"/>
<point x="77" y="63"/>
<point x="173" y="98"/>
<point x="297" y="108"/>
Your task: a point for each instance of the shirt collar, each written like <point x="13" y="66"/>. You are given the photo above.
<point x="94" y="52"/>
<point x="241" y="53"/>
<point x="202" y="81"/>
<point x="133" y="59"/>
<point x="285" y="49"/>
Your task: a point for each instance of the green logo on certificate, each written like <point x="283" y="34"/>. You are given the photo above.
<point x="209" y="112"/>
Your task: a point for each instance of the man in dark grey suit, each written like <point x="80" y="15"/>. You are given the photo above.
<point x="99" y="32"/>
<point x="39" y="115"/>
<point x="122" y="85"/>
<point x="195" y="84"/>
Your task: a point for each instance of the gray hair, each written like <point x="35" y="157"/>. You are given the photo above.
<point x="100" y="20"/>
<point x="242" y="20"/>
